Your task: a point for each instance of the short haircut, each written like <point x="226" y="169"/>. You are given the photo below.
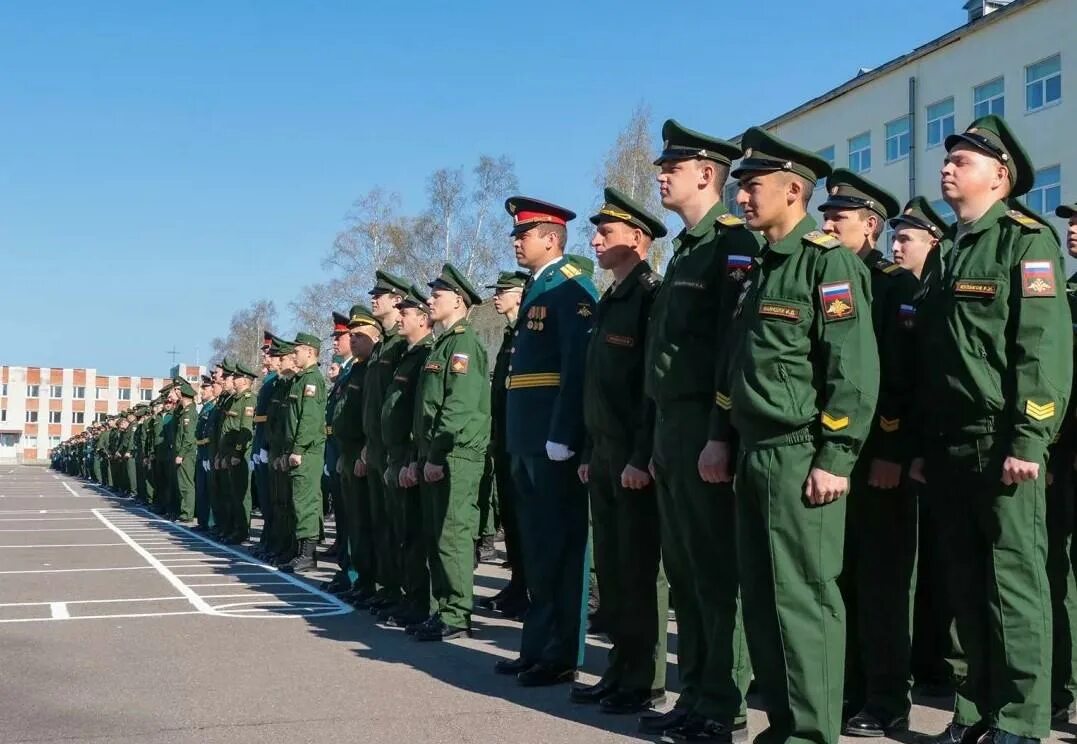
<point x="880" y="223"/>
<point x="721" y="172"/>
<point x="547" y="228"/>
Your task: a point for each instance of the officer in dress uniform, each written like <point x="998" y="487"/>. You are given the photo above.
<point x="544" y="436"/>
<point x="201" y="474"/>
<point x="260" y="446"/>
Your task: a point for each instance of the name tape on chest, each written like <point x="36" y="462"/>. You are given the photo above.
<point x="432" y="367"/>
<point x="837" y="301"/>
<point x="975" y="288"/>
<point x="778" y="310"/>
<point x="615" y="340"/>
<point x="1037" y="279"/>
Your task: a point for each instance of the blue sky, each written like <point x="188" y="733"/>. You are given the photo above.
<point x="163" y="164"/>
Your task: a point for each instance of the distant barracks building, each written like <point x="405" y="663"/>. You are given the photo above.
<point x="41" y="406"/>
<point x="1013" y="58"/>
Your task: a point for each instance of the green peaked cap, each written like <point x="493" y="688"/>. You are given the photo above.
<point x="510" y="280"/>
<point x="992" y="135"/>
<point x="451" y="278"/>
<point x="279" y="347"/>
<point x="919" y="213"/>
<point x="307" y="339"/>
<point x="682" y="143"/>
<point x="765" y="153"/>
<point x="386" y="282"/>
<point x="621" y="207"/>
<point x="244" y="371"/>
<point x="360" y="315"/>
<point x="1066" y="211"/>
<point x="414" y="298"/>
<point x="848" y="190"/>
<point x="185" y="389"/>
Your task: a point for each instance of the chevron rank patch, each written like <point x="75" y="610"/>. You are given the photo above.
<point x="1037" y="279"/>
<point x="889" y="425"/>
<point x="1039" y="411"/>
<point x="309" y="391"/>
<point x="723" y="401"/>
<point x="834" y="423"/>
<point x="837" y="301"/>
<point x="459" y="364"/>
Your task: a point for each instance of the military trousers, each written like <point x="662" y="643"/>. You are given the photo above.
<point x="201" y="491"/>
<point x="306" y="480"/>
<point x="697" y="529"/>
<point x="184" y="501"/>
<point x="164" y="468"/>
<point x="265" y="500"/>
<point x="417" y="588"/>
<point x="281" y="541"/>
<point x="510" y="521"/>
<point x="355" y="497"/>
<point x="239" y="481"/>
<point x="131" y="475"/>
<point x="140" y="478"/>
<point x="996" y="542"/>
<point x="387" y="559"/>
<point x="1060" y="577"/>
<point x="450" y="510"/>
<point x="489" y="516"/>
<point x="552" y="511"/>
<point x="628" y="562"/>
<point x="878" y="584"/>
<point x="932" y="648"/>
<point x="222" y="498"/>
<point x="151" y="480"/>
<point x="790" y="555"/>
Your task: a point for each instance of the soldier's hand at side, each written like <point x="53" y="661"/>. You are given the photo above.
<point x="1019" y="471"/>
<point x="634" y="479"/>
<point x="884" y="474"/>
<point x="235" y="461"/>
<point x="179" y="460"/>
<point x="713" y="463"/>
<point x="558" y="452"/>
<point x="823" y="487"/>
<point x="411" y="475"/>
<point x="916" y="470"/>
<point x="584" y="473"/>
<point x="340" y="467"/>
<point x="359" y="471"/>
<point x="295" y="460"/>
<point x="433" y="473"/>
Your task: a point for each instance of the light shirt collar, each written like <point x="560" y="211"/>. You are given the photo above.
<point x="538" y="272"/>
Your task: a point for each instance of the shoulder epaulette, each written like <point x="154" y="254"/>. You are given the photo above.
<point x="650" y="279"/>
<point x="570" y="271"/>
<point x="458" y="329"/>
<point x="730" y="220"/>
<point x="821" y="239"/>
<point x="1024" y="220"/>
<point x="888" y="267"/>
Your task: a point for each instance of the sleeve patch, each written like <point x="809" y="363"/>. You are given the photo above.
<point x="1039" y="411"/>
<point x="738" y="267"/>
<point x="834" y="424"/>
<point x="248" y="411"/>
<point x="309" y="391"/>
<point x="583" y="309"/>
<point x="837" y="300"/>
<point x="459" y="364"/>
<point x="1037" y="279"/>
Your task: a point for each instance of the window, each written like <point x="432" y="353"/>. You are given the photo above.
<point x="3" y="414"/>
<point x="860" y="153"/>
<point x="99" y="417"/>
<point x="940" y="122"/>
<point x="1043" y="83"/>
<point x="32" y="391"/>
<point x="124" y="394"/>
<point x="55" y="417"/>
<point x="827" y="154"/>
<point x="54" y="442"/>
<point x="56" y="391"/>
<point x="80" y="392"/>
<point x="3" y="388"/>
<point x="31" y="417"/>
<point x="101" y="393"/>
<point x="897" y="139"/>
<point x="729" y="194"/>
<point x="78" y="417"/>
<point x="29" y="442"/>
<point x="1046" y="194"/>
<point x="146" y="395"/>
<point x="947" y="214"/>
<point x="989" y="98"/>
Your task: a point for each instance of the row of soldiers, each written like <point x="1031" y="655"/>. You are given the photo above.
<point x="770" y="436"/>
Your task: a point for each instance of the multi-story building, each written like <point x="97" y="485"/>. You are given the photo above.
<point x="1012" y="57"/>
<point x="41" y="406"/>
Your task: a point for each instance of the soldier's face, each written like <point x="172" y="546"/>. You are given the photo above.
<point x="507" y="300"/>
<point x="443" y="303"/>
<point x="764" y="198"/>
<point x="229" y="384"/>
<point x="533" y="248"/>
<point x="342" y="344"/>
<point x="969" y="174"/>
<point x="218" y="373"/>
<point x="679" y="181"/>
<point x="334" y="371"/>
<point x="615" y="242"/>
<point x="911" y="248"/>
<point x="413" y="322"/>
<point x="207" y="392"/>
<point x="362" y="340"/>
<point x="383" y="304"/>
<point x="1071" y="237"/>
<point x="850" y="226"/>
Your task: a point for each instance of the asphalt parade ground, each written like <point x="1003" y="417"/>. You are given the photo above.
<point x="117" y="626"/>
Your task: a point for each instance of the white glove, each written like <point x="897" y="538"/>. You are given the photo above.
<point x="264" y="456"/>
<point x="251" y="462"/>
<point x="205" y="465"/>
<point x="325" y="470"/>
<point x="558" y="452"/>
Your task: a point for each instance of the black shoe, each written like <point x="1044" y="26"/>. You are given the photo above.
<point x="1064" y="713"/>
<point x="487" y="551"/>
<point x="514" y="610"/>
<point x="596" y="624"/>
<point x="873" y="724"/>
<point x="997" y="736"/>
<point x="591" y="694"/>
<point x="440" y="631"/>
<point x="332" y="551"/>
<point x="387" y="612"/>
<point x="360" y="598"/>
<point x="305" y="560"/>
<point x="660" y="723"/>
<point x="955" y="733"/>
<point x="339" y="584"/>
<point x="513" y="666"/>
<point x="545" y="675"/>
<point x="405" y="620"/>
<point x="699" y="728"/>
<point x="417" y="627"/>
<point x="626" y="702"/>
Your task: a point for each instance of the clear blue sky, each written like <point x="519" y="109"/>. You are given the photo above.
<point x="162" y="164"/>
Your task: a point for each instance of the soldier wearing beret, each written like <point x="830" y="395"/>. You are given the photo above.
<point x="184" y="450"/>
<point x="614" y="463"/>
<point x="998" y="363"/>
<point x="511" y="600"/>
<point x="304" y="449"/>
<point x="451" y="430"/>
<point x="688" y="326"/>
<point x="881" y="522"/>
<point x="201" y="473"/>
<point x="800" y="388"/>
<point x="544" y="434"/>
<point x="387" y="293"/>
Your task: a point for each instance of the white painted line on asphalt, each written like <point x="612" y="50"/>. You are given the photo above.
<point x="62" y="529"/>
<point x="47" y="519"/>
<point x="75" y="570"/>
<point x="92" y="601"/>
<point x="59" y="611"/>
<point x="217" y="575"/>
<point x="71" y="545"/>
<point x="243" y="583"/>
<point x="101" y="617"/>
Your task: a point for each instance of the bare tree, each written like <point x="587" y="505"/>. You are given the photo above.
<point x="244" y="340"/>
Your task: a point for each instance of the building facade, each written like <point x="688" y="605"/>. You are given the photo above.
<point x="1012" y="58"/>
<point x="42" y="406"/>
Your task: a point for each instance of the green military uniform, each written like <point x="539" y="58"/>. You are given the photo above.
<point x="800" y="388"/>
<point x="998" y="363"/>
<point x="280" y="538"/>
<point x="452" y="430"/>
<point x="878" y="576"/>
<point x="620" y="431"/>
<point x="687" y="329"/>
<point x="221" y="486"/>
<point x="305" y="437"/>
<point x="127" y="455"/>
<point x="163" y="466"/>
<point x="149" y="440"/>
<point x="397" y="421"/>
<point x="237" y="433"/>
<point x="138" y="446"/>
<point x="201" y="481"/>
<point x="185" y="449"/>
<point x="384" y="508"/>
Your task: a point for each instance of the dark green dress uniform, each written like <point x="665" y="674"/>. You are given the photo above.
<point x="452" y="430"/>
<point x="236" y="437"/>
<point x="222" y="487"/>
<point x="687" y="331"/>
<point x="138" y="441"/>
<point x="163" y="466"/>
<point x="620" y="431"/>
<point x="999" y="354"/>
<point x="545" y="405"/>
<point x="800" y="389"/>
<point x="260" y="448"/>
<point x="148" y="447"/>
<point x="127" y="448"/>
<point x="185" y="419"/>
<point x="878" y="577"/>
<point x="397" y="421"/>
<point x="306" y="438"/>
<point x="201" y="479"/>
<point x="280" y="540"/>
